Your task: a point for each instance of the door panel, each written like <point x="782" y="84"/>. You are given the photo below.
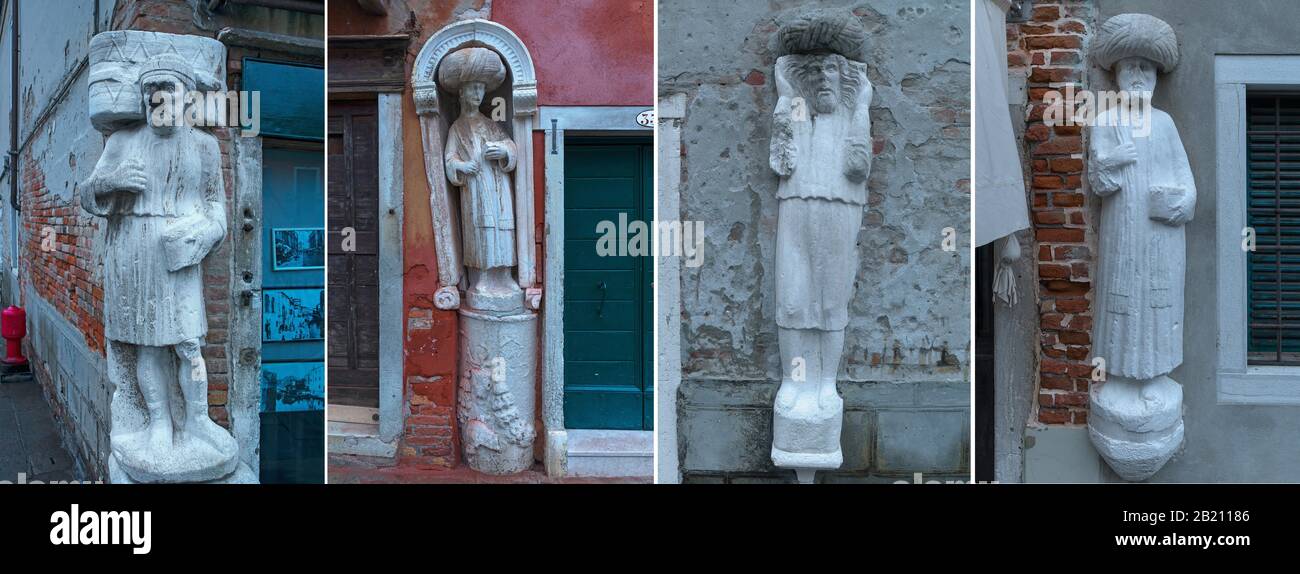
<point x="354" y="275"/>
<point x="607" y="299"/>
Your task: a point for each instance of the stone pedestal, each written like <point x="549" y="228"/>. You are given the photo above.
<point x="497" y="390"/>
<point x="806" y="435"/>
<point x="1136" y="426"/>
<point x="241" y="474"/>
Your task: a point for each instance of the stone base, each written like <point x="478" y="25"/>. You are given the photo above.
<point x="497" y="389"/>
<point x="193" y="458"/>
<point x="1136" y="426"/>
<point x="241" y="475"/>
<point x="806" y="434"/>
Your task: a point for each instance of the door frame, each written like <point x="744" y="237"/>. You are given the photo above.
<point x="556" y="122"/>
<point x="388" y="108"/>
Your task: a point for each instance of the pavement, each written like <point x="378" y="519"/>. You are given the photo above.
<point x="355" y="469"/>
<point x="30" y="446"/>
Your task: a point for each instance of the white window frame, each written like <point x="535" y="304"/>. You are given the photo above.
<point x="1238" y="382"/>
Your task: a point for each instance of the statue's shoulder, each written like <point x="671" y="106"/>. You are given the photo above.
<point x="206" y="142"/>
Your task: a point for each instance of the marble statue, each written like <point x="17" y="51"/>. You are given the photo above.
<point x="1140" y="172"/>
<point x="821" y="153"/>
<point x="479" y="158"/>
<point x="496" y="394"/>
<point x="159" y="188"/>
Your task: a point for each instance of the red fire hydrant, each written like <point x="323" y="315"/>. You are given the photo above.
<point x="13" y="326"/>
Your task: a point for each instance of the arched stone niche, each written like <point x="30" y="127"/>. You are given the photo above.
<point x="438" y="108"/>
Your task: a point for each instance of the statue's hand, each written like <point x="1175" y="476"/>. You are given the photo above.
<point x="783" y="71"/>
<point x="130" y="176"/>
<point x="467" y="167"/>
<point x="495" y="151"/>
<point x="1122" y="155"/>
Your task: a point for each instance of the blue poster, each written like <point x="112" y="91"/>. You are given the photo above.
<point x="293" y="314"/>
<point x="293" y="387"/>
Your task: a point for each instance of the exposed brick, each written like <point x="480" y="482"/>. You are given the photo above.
<point x="1060" y="235"/>
<point x="1067" y="41"/>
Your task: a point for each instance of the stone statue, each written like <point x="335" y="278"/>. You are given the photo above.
<point x="498" y="334"/>
<point x="1142" y="175"/>
<point x="479" y="157"/>
<point x="821" y="151"/>
<point x="159" y="188"/>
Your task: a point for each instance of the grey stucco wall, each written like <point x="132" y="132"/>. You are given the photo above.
<point x="906" y="364"/>
<point x="1224" y="443"/>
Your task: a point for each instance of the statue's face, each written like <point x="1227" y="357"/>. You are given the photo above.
<point x="824" y="81"/>
<point x="471" y="94"/>
<point x="164" y="101"/>
<point x="1136" y="74"/>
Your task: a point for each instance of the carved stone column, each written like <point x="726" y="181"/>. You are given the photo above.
<point x="481" y="195"/>
<point x="158" y="186"/>
<point x="1138" y="166"/>
<point x="821" y="153"/>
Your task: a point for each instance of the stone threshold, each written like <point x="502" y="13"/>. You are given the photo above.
<point x="610" y="453"/>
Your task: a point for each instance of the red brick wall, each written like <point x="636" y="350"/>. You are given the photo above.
<point x="61" y="275"/>
<point x="1050" y="49"/>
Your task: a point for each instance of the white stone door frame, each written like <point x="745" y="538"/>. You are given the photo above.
<point x="392" y="415"/>
<point x="1238" y="382"/>
<point x="668" y="302"/>
<point x="556" y="121"/>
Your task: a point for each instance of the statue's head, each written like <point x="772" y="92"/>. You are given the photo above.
<point x="165" y="81"/>
<point x="823" y="79"/>
<point x="471" y="73"/>
<point x="1136" y="47"/>
<point x="825" y="49"/>
<point x="471" y="95"/>
<point x="1136" y="74"/>
<point x="828" y="81"/>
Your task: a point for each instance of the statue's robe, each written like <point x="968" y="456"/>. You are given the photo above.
<point x="486" y="203"/>
<point x="1138" y="299"/>
<point x="822" y="161"/>
<point x="154" y="241"/>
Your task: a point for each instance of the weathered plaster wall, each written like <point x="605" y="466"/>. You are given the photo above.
<point x="1224" y="443"/>
<point x="60" y="287"/>
<point x="907" y="354"/>
<point x="587" y="52"/>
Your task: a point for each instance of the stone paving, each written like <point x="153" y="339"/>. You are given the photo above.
<point x="29" y="440"/>
<point x="355" y="469"/>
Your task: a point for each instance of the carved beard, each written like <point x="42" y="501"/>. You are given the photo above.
<point x="825" y="102"/>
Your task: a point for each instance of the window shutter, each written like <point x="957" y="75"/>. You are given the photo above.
<point x="1273" y="210"/>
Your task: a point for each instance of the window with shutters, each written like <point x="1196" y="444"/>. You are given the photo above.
<point x="1253" y="179"/>
<point x="1273" y="212"/>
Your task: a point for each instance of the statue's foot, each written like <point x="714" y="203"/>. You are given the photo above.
<point x="202" y="427"/>
<point x="828" y="396"/>
<point x="786" y="395"/>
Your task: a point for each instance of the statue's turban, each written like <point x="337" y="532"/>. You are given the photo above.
<point x="471" y="65"/>
<point x="820" y="32"/>
<point x="1141" y="35"/>
<point x="169" y="64"/>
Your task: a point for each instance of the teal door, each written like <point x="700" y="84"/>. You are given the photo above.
<point x="293" y="316"/>
<point x="608" y="296"/>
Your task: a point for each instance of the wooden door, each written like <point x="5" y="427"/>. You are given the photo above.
<point x="353" y="253"/>
<point x="608" y="300"/>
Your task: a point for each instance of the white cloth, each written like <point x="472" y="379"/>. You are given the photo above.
<point x="1000" y="207"/>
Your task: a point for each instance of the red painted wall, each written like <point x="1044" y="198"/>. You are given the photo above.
<point x="587" y="52"/>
